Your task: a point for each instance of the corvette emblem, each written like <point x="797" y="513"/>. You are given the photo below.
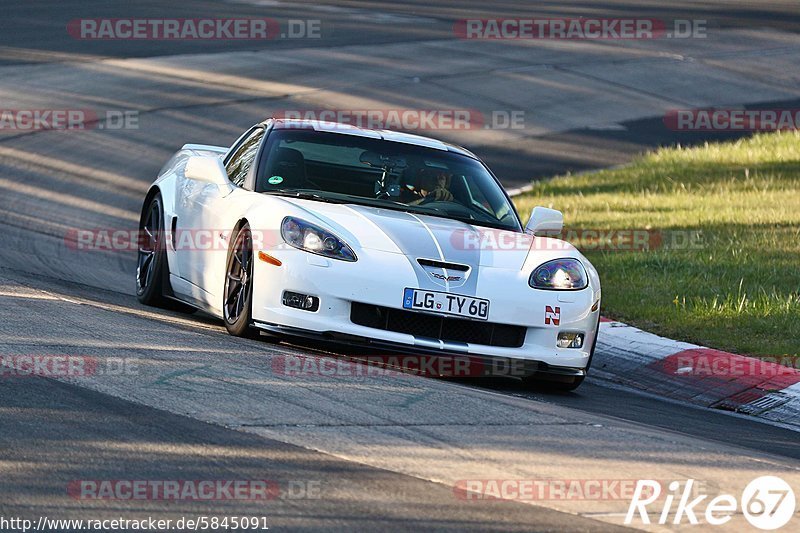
<point x="443" y="277"/>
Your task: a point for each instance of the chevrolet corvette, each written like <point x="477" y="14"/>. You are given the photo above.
<point x="367" y="238"/>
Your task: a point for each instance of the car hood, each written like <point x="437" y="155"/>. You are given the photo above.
<point x="419" y="236"/>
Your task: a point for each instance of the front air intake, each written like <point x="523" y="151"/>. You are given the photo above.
<point x="442" y="264"/>
<point x="437" y="327"/>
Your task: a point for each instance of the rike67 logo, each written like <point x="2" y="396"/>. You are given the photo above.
<point x="768" y="503"/>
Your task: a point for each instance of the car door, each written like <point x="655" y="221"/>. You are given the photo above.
<point x="203" y="225"/>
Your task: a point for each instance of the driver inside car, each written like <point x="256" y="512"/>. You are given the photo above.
<point x="434" y="187"/>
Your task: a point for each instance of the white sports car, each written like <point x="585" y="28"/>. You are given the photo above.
<point x="381" y="240"/>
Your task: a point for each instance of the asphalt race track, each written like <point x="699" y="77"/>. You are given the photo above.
<point x="347" y="452"/>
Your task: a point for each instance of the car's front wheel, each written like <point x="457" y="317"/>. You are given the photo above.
<point x="237" y="307"/>
<point x="551" y="383"/>
<point x="566" y="383"/>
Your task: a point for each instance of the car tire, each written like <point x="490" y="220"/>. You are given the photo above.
<point x="553" y="383"/>
<point x="594" y="345"/>
<point x="237" y="302"/>
<point x="152" y="270"/>
<point x="152" y="255"/>
<point x="567" y="383"/>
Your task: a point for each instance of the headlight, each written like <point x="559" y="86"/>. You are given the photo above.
<point x="311" y="238"/>
<point x="560" y="274"/>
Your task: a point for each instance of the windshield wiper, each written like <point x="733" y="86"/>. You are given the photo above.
<point x="305" y="195"/>
<point x="470" y="221"/>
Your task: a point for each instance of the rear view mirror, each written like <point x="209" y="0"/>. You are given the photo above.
<point x="544" y="220"/>
<point x="372" y="159"/>
<point x="377" y="160"/>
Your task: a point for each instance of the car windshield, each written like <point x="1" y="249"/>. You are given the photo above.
<point x="344" y="168"/>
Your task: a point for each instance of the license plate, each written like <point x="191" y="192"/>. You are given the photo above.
<point x="446" y="303"/>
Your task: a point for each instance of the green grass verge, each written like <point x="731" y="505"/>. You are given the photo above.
<point x="740" y="289"/>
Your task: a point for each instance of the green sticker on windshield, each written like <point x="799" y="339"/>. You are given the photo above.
<point x="275" y="180"/>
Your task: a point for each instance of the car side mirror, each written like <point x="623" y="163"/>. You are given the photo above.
<point x="208" y="169"/>
<point x="544" y="220"/>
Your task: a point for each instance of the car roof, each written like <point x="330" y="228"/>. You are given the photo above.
<point x="387" y="135"/>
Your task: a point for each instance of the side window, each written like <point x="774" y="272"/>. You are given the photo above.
<point x="241" y="161"/>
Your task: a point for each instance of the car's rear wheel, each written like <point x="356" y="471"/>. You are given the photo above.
<point x="152" y="256"/>
<point x="152" y="270"/>
<point x="237" y="306"/>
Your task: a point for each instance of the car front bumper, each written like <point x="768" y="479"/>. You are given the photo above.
<point x="338" y="285"/>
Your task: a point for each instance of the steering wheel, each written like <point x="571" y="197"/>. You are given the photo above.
<point x="428" y="200"/>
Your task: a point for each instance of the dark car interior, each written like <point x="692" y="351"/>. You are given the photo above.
<point x="430" y="180"/>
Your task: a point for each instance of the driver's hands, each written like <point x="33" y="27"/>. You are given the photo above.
<point x="440" y="194"/>
<point x="436" y="195"/>
<point x="436" y="190"/>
